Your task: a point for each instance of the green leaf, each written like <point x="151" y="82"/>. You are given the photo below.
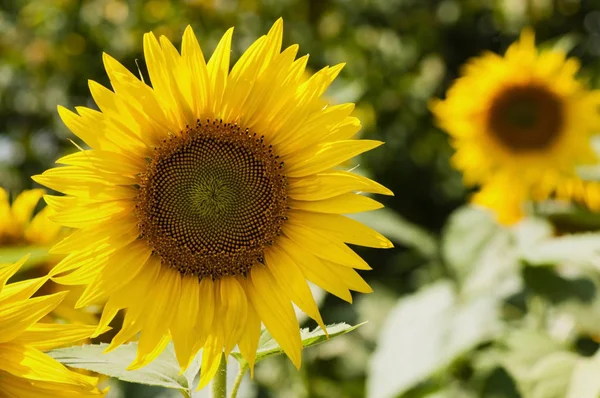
<point x="400" y="230"/>
<point x="163" y="371"/>
<point x="549" y="377"/>
<point x="268" y="347"/>
<point x="544" y="368"/>
<point x="426" y="332"/>
<point x="568" y="217"/>
<point x="578" y="249"/>
<point x="483" y="256"/>
<point x="585" y="382"/>
<point x="565" y="43"/>
<point x="462" y="243"/>
<point x="39" y="254"/>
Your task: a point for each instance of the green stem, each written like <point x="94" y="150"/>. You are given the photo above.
<point x="238" y="379"/>
<point x="219" y="383"/>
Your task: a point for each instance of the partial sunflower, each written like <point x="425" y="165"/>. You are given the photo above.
<point x="521" y="125"/>
<point x="209" y="199"/>
<point x="20" y="228"/>
<point x="25" y="371"/>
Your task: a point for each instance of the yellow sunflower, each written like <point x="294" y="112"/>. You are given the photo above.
<point x="209" y="199"/>
<point x="25" y="371"/>
<point x="19" y="228"/>
<point x="521" y="125"/>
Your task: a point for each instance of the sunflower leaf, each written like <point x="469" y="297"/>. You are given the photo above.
<point x="268" y="347"/>
<point x="163" y="371"/>
<point x="442" y="327"/>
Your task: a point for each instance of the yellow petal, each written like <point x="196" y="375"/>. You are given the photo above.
<point x="160" y="309"/>
<point x="192" y="56"/>
<point x="248" y="343"/>
<point x="232" y="311"/>
<point x="20" y="291"/>
<point x="32" y="364"/>
<point x="340" y="227"/>
<point x="17" y="317"/>
<point x="349" y="277"/>
<point x="211" y="358"/>
<point x="47" y="336"/>
<point x="185" y="327"/>
<point x="330" y="184"/>
<point x="121" y="267"/>
<point x="315" y="270"/>
<point x="218" y="70"/>
<point x="323" y="245"/>
<point x="289" y="276"/>
<point x="24" y="204"/>
<point x="342" y="204"/>
<point x="116" y="232"/>
<point x="8" y="270"/>
<point x="322" y="157"/>
<point x="85" y="215"/>
<point x="275" y="310"/>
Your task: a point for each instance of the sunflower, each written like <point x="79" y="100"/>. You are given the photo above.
<point x="209" y="200"/>
<point x="20" y="228"/>
<point x="25" y="371"/>
<point x="521" y="125"/>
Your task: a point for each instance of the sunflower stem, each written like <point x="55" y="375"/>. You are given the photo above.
<point x="238" y="379"/>
<point x="219" y="383"/>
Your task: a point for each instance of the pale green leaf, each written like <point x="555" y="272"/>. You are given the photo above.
<point x="163" y="371"/>
<point x="424" y="333"/>
<point x="483" y="256"/>
<point x="268" y="347"/>
<point x="585" y="382"/>
<point x="576" y="249"/>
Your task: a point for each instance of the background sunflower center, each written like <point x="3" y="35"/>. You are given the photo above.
<point x="526" y="118"/>
<point x="212" y="199"/>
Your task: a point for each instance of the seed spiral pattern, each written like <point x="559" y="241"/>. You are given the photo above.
<point x="212" y="199"/>
<point x="526" y="118"/>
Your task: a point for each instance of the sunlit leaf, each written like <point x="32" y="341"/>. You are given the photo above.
<point x="426" y="332"/>
<point x="268" y="347"/>
<point x="163" y="371"/>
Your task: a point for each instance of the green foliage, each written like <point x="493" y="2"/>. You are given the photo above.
<point x="268" y="347"/>
<point x="164" y="371"/>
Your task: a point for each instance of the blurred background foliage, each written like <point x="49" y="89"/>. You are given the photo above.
<point x="462" y="307"/>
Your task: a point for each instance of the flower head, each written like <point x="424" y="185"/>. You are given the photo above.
<point x="209" y="199"/>
<point x="521" y="125"/>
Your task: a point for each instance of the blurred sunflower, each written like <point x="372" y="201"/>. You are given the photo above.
<point x="19" y="228"/>
<point x="25" y="371"/>
<point x="521" y="125"/>
<point x="209" y="199"/>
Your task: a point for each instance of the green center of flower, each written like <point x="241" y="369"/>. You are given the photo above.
<point x="526" y="118"/>
<point x="211" y="200"/>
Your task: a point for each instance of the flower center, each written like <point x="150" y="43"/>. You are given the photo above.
<point x="526" y="118"/>
<point x="211" y="199"/>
